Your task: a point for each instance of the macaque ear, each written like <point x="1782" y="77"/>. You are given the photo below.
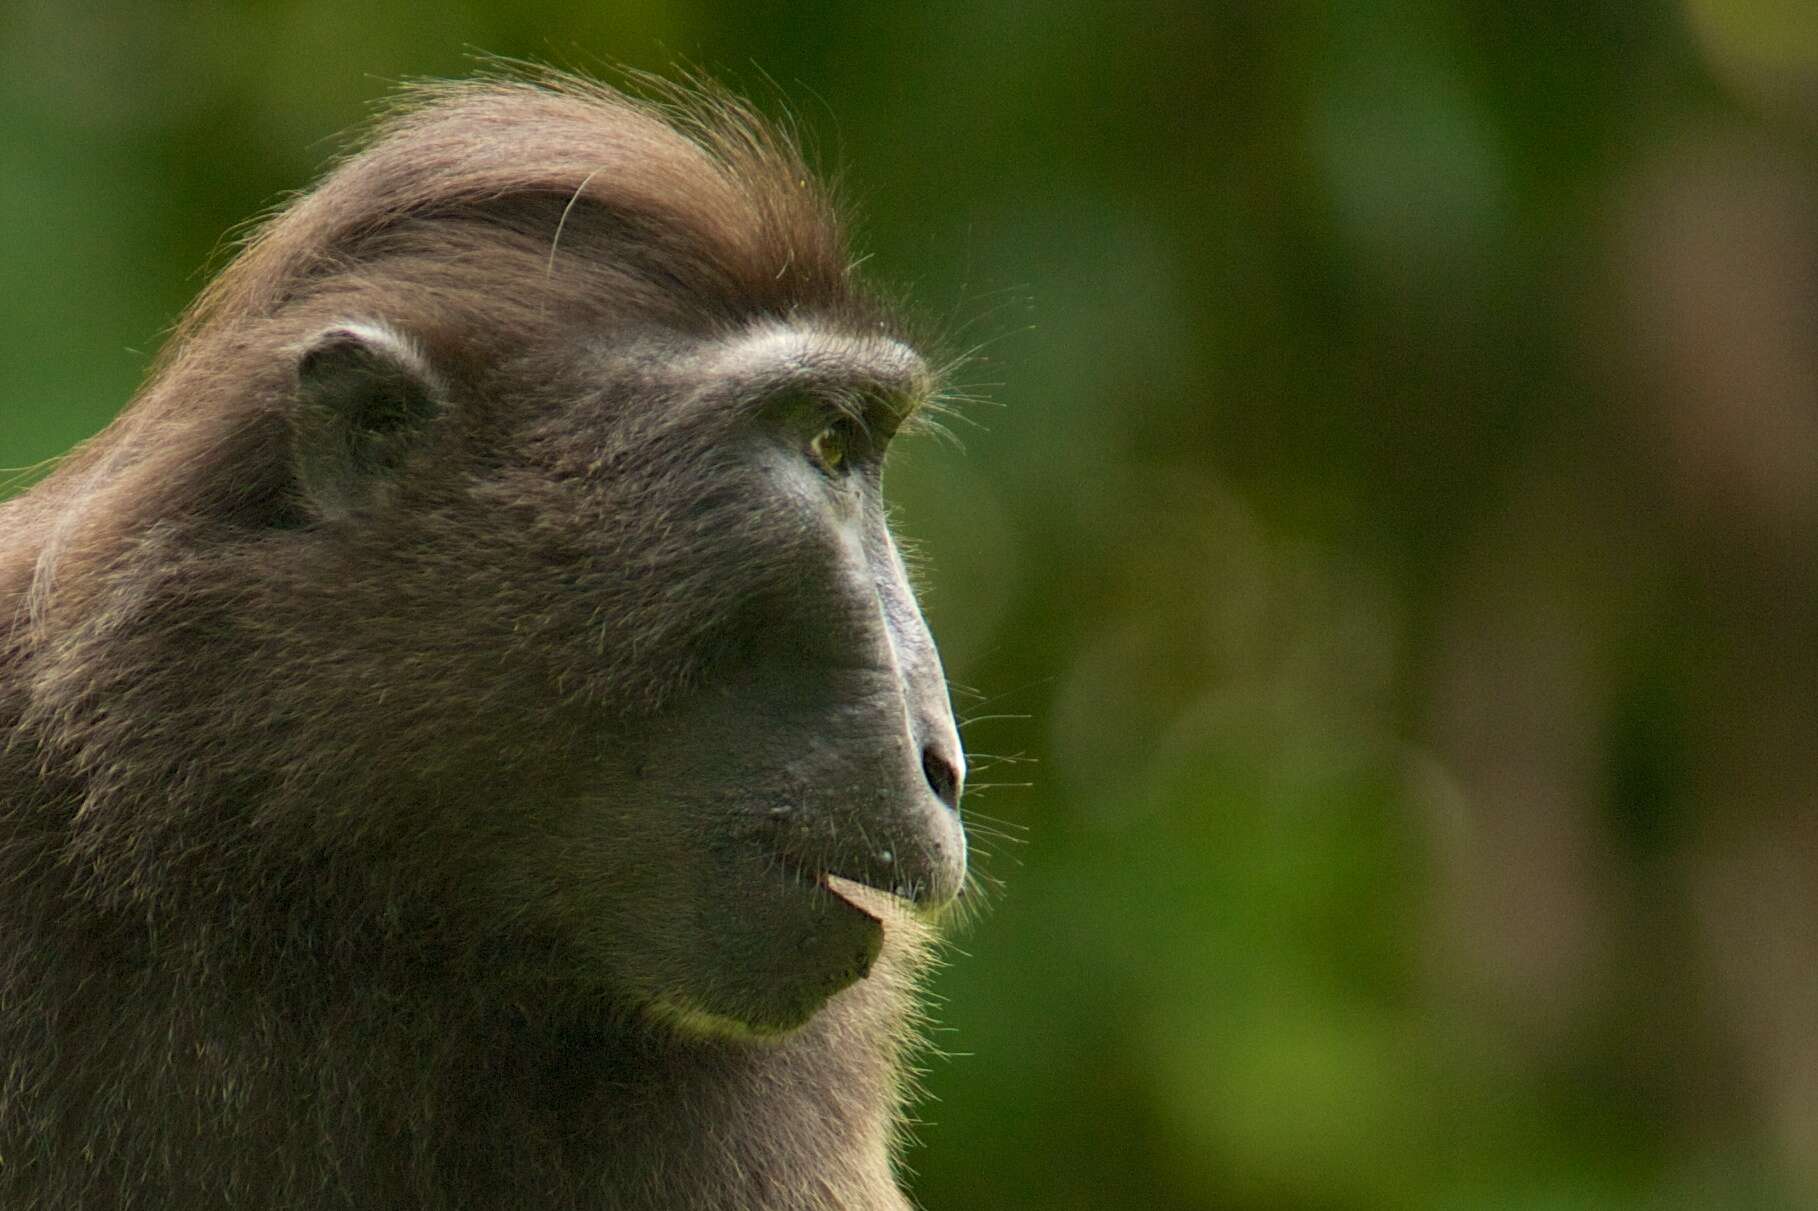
<point x="365" y="395"/>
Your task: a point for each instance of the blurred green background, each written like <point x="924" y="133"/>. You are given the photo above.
<point x="1381" y="582"/>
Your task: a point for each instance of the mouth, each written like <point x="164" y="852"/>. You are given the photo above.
<point x="868" y="899"/>
<point x="875" y="902"/>
<point x="901" y="903"/>
<point x="910" y="864"/>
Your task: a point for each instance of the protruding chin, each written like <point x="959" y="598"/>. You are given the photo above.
<point x="773" y="961"/>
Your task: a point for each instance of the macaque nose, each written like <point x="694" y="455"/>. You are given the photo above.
<point x="945" y="776"/>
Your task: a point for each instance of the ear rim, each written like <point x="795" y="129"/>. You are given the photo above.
<point x="364" y="395"/>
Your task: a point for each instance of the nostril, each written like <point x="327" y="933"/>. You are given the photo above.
<point x="942" y="777"/>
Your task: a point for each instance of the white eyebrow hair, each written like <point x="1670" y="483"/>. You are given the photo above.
<point x="780" y="351"/>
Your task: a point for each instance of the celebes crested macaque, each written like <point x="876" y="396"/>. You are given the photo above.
<point x="469" y="740"/>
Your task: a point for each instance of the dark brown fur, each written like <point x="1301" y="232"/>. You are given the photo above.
<point x="279" y="926"/>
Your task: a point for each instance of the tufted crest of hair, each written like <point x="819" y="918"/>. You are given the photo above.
<point x="727" y="220"/>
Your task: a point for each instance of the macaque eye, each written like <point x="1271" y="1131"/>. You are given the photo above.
<point x="830" y="448"/>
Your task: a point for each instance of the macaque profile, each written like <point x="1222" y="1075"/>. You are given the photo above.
<point x="469" y="739"/>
